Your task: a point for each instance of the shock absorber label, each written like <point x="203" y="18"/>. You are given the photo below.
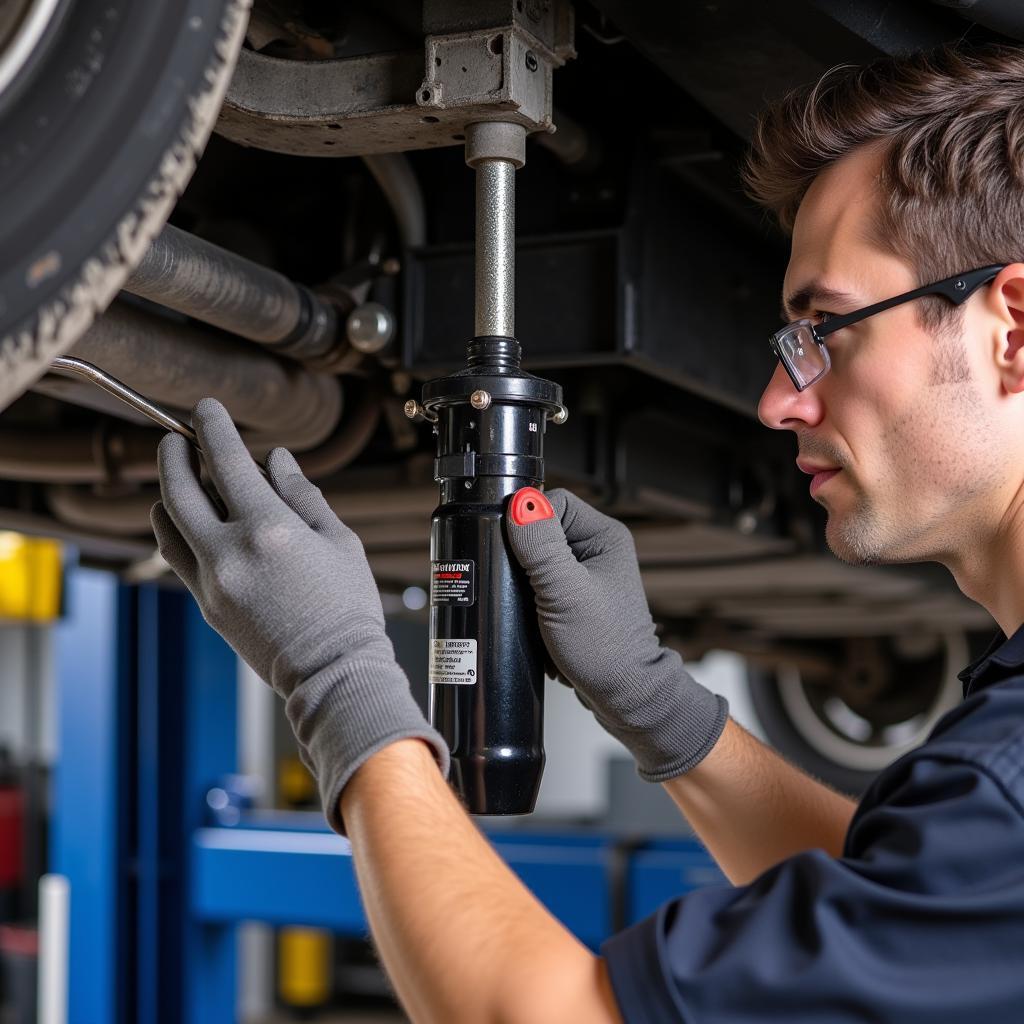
<point x="453" y="583"/>
<point x="452" y="662"/>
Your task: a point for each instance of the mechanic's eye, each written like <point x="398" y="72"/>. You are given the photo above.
<point x="823" y="315"/>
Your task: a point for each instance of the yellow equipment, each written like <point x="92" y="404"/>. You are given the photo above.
<point x="304" y="970"/>
<point x="30" y="578"/>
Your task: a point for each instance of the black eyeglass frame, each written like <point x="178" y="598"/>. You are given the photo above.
<point x="957" y="289"/>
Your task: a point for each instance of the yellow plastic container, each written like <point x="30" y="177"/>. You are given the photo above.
<point x="30" y="578"/>
<point x="304" y="967"/>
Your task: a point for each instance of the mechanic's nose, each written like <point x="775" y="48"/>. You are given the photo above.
<point x="782" y="407"/>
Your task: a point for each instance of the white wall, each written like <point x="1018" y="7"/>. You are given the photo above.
<point x="578" y="748"/>
<point x="27" y="691"/>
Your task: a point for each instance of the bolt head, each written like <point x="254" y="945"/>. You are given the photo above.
<point x="560" y="417"/>
<point x="531" y="61"/>
<point x="480" y="399"/>
<point x="746" y="522"/>
<point x="412" y="408"/>
<point x="370" y="327"/>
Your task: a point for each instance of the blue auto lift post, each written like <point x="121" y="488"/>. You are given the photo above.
<point x="147" y="727"/>
<point x="146" y="720"/>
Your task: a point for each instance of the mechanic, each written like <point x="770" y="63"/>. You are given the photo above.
<point x="907" y="907"/>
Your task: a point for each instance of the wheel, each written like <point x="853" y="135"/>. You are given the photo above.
<point x="883" y="699"/>
<point x="105" y="105"/>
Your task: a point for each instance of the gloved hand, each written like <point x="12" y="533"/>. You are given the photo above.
<point x="288" y="586"/>
<point x="599" y="634"/>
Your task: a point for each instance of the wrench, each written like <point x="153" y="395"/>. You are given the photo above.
<point x="70" y="366"/>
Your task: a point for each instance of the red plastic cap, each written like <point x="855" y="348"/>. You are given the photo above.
<point x="529" y="505"/>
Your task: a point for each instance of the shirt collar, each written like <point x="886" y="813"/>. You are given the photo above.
<point x="1004" y="658"/>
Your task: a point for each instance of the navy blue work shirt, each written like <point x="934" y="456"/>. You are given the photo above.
<point x="921" y="921"/>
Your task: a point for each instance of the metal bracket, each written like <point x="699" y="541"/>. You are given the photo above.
<point x="496" y="65"/>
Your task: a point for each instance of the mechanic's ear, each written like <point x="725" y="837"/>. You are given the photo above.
<point x="1007" y="294"/>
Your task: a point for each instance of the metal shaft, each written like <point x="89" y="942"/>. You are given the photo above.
<point x="102" y="379"/>
<point x="152" y="411"/>
<point x="495" y="249"/>
<point x="495" y="150"/>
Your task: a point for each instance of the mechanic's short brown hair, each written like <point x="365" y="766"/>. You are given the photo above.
<point x="951" y="123"/>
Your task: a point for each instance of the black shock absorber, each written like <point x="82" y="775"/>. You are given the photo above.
<point x="486" y="653"/>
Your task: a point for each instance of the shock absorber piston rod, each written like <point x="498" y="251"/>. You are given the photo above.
<point x="495" y="224"/>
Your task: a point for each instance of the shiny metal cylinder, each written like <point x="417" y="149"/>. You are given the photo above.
<point x="123" y="393"/>
<point x="495" y="249"/>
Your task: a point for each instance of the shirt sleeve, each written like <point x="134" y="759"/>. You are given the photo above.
<point x="919" y="922"/>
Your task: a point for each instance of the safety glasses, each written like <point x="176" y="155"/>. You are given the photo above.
<point x="800" y="345"/>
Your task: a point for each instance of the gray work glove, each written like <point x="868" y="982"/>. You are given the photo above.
<point x="288" y="586"/>
<point x="599" y="633"/>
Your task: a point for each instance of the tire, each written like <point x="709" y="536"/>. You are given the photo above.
<point x="844" y="737"/>
<point x="100" y="131"/>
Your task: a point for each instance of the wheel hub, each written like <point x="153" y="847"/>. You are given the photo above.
<point x="23" y="24"/>
<point x="880" y="708"/>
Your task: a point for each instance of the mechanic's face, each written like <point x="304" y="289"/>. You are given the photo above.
<point x="909" y="419"/>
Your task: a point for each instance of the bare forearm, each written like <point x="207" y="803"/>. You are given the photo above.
<point x="752" y="809"/>
<point x="461" y="938"/>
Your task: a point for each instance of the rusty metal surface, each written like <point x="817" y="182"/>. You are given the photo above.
<point x="394" y="102"/>
<point x="550" y="22"/>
